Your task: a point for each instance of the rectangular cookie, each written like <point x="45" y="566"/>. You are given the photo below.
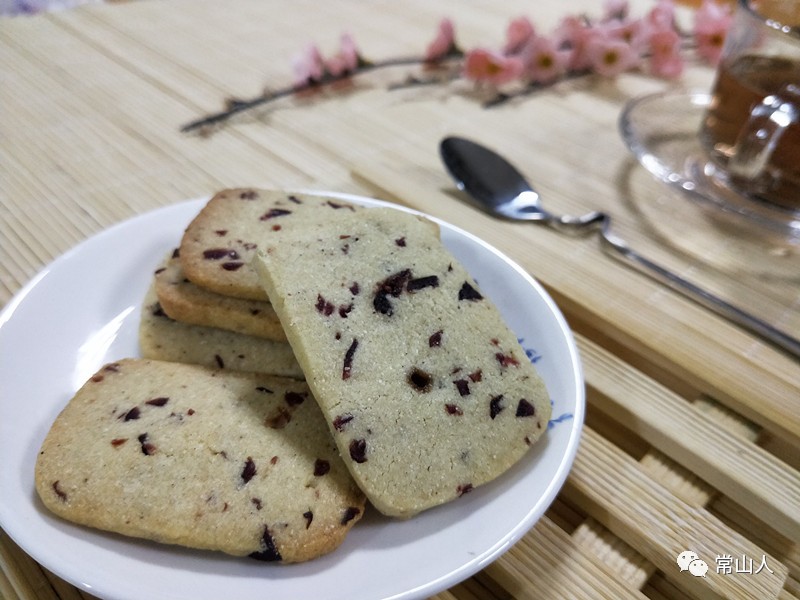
<point x="426" y="390"/>
<point x="163" y="338"/>
<point x="186" y="302"/>
<point x="221" y="241"/>
<point x="217" y="460"/>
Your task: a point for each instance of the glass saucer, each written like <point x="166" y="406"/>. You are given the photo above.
<point x="661" y="130"/>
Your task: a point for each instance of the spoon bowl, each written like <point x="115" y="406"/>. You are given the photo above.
<point x="491" y="181"/>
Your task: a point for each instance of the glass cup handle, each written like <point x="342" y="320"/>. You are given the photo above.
<point x="760" y="135"/>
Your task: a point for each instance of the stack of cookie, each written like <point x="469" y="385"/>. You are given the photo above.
<point x="415" y="391"/>
<point x="207" y="305"/>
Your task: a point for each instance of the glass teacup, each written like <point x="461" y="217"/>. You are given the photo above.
<point x="751" y="129"/>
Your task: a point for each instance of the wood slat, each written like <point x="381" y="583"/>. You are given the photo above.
<point x="611" y="487"/>
<point x="547" y="563"/>
<point x="738" y="468"/>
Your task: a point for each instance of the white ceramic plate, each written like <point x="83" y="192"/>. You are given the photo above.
<point x="83" y="311"/>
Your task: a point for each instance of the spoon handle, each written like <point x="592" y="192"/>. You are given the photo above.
<point x="700" y="295"/>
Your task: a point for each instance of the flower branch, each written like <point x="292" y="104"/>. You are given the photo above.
<point x="527" y="62"/>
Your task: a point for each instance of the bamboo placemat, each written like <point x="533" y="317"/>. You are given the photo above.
<point x="693" y="434"/>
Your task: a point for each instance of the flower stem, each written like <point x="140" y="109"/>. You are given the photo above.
<point x="235" y="106"/>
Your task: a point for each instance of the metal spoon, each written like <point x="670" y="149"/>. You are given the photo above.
<point x="499" y="189"/>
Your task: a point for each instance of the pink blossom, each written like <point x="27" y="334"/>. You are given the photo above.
<point x="574" y="35"/>
<point x="610" y="57"/>
<point x="665" y="59"/>
<point x="308" y="66"/>
<point x="520" y="31"/>
<point x="543" y="60"/>
<point x="346" y="61"/>
<point x="483" y="65"/>
<point x="662" y="15"/>
<point x="712" y="21"/>
<point x="631" y="31"/>
<point x="443" y="43"/>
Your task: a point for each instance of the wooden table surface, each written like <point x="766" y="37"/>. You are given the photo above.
<point x="692" y="435"/>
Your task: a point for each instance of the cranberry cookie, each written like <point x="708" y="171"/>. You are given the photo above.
<point x="180" y="454"/>
<point x="427" y="392"/>
<point x="163" y="338"/>
<point x="220" y="242"/>
<point x="188" y="303"/>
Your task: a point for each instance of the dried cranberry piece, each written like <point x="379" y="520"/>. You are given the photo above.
<point x="347" y="367"/>
<point x="220" y="253"/>
<point x="350" y="513"/>
<point x="337" y="205"/>
<point x="453" y="409"/>
<point x="62" y="495"/>
<point x="476" y="376"/>
<point x="506" y="359"/>
<point x="420" y="380"/>
<point x="355" y="288"/>
<point x="269" y="551"/>
<point x="464" y="488"/>
<point x="117" y="442"/>
<point x="274" y="212"/>
<point x="525" y="409"/>
<point x="467" y="292"/>
<point x="420" y="283"/>
<point x="323" y="306"/>
<point x="381" y="304"/>
<point x="132" y="414"/>
<point x="391" y="286"/>
<point x="358" y="450"/>
<point x="158" y="401"/>
<point x="321" y="467"/>
<point x="232" y="266"/>
<point x="295" y="199"/>
<point x="294" y="398"/>
<point x="249" y="470"/>
<point x="342" y="420"/>
<point x="148" y="449"/>
<point x="279" y="420"/>
<point x="436" y="339"/>
<point x="401" y="241"/>
<point x="496" y="406"/>
<point x="463" y="386"/>
<point x="308" y="516"/>
<point x="257" y="503"/>
<point x="345" y="310"/>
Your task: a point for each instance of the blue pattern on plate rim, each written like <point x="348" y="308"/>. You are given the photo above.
<point x="535" y="357"/>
